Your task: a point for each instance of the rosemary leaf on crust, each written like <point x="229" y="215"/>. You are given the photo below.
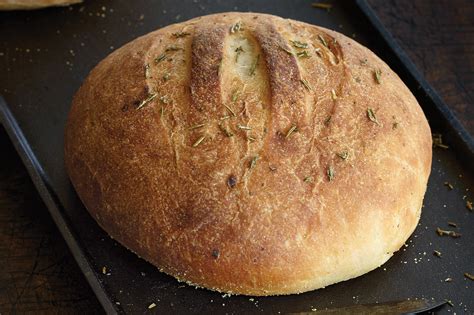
<point x="173" y="48"/>
<point x="150" y="98"/>
<point x="371" y="116"/>
<point x="299" y="44"/>
<point x="198" y="141"/>
<point x="253" y="162"/>
<point x="343" y="155"/>
<point x="236" y="27"/>
<point x="254" y="66"/>
<point x="244" y="127"/>
<point x="327" y="121"/>
<point x="322" y="40"/>
<point x="331" y="173"/>
<point x="290" y="131"/>
<point x="196" y="126"/>
<point x="306" y="84"/>
<point x="227" y="132"/>
<point x="180" y="34"/>
<point x="238" y="51"/>
<point x="378" y="76"/>
<point x="303" y="54"/>
<point x="160" y="58"/>
<point x="230" y="110"/>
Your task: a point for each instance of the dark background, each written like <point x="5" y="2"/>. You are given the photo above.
<point x="37" y="272"/>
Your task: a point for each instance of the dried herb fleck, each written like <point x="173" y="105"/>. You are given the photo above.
<point x="363" y="62"/>
<point x="253" y="162"/>
<point x="331" y="173"/>
<point x="333" y="94"/>
<point x="244" y="127"/>
<point x="236" y="27"/>
<point x="469" y="276"/>
<point x="152" y="305"/>
<point x="160" y="58"/>
<point x="442" y="232"/>
<point x="299" y="44"/>
<point x="394" y="125"/>
<point x="327" y="121"/>
<point x="181" y="34"/>
<point x="173" y="48"/>
<point x="254" y="66"/>
<point x="231" y="181"/>
<point x="303" y="54"/>
<point x="452" y="224"/>
<point x="147" y="71"/>
<point x="377" y="76"/>
<point x="371" y="116"/>
<point x="272" y="168"/>
<point x="166" y="76"/>
<point x="321" y="5"/>
<point x="306" y="84"/>
<point x="147" y="100"/>
<point x="322" y="40"/>
<point x="235" y="96"/>
<point x="437" y="253"/>
<point x="469" y="205"/>
<point x="251" y="138"/>
<point x="343" y="155"/>
<point x="197" y="126"/>
<point x="449" y="185"/>
<point x="230" y="110"/>
<point x="449" y="303"/>
<point x="438" y="141"/>
<point x="308" y="179"/>
<point x="227" y="132"/>
<point x="198" y="141"/>
<point x="290" y="131"/>
<point x="238" y="51"/>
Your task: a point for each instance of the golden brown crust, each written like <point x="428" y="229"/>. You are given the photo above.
<point x="233" y="161"/>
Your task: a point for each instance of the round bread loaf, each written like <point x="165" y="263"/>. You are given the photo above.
<point x="250" y="154"/>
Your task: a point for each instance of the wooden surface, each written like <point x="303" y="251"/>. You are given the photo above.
<point x="439" y="38"/>
<point x="39" y="275"/>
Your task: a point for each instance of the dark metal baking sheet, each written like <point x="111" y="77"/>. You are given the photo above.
<point x="44" y="56"/>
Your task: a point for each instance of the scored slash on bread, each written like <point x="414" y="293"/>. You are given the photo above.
<point x="276" y="157"/>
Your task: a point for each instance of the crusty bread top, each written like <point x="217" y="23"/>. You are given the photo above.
<point x="250" y="154"/>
